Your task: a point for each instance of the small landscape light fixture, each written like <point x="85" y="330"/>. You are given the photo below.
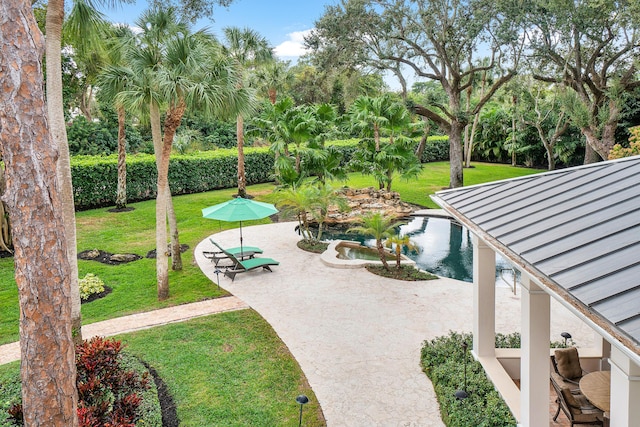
<point x="566" y="336"/>
<point x="302" y="399"/>
<point x="462" y="394"/>
<point x="217" y="271"/>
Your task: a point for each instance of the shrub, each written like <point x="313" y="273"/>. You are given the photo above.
<point x="110" y="390"/>
<point x="107" y="393"/>
<point x="442" y="360"/>
<point x="90" y="285"/>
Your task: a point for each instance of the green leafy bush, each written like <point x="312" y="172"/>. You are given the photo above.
<point x="90" y="285"/>
<point x="442" y="360"/>
<point x="99" y="138"/>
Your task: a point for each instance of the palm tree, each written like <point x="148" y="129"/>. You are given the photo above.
<point x="273" y="77"/>
<point x="248" y="49"/>
<point x="325" y="196"/>
<point x="310" y="201"/>
<point x="397" y="242"/>
<point x="388" y="160"/>
<point x="380" y="228"/>
<point x="299" y="202"/>
<point x="177" y="69"/>
<point x="88" y="31"/>
<point x="369" y="115"/>
<point x="58" y="131"/>
<point x="112" y="80"/>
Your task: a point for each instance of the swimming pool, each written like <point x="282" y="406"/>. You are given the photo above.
<point x="445" y="248"/>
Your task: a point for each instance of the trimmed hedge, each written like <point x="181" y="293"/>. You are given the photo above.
<point x="436" y="149"/>
<point x="443" y="362"/>
<point x="442" y="359"/>
<point x="95" y="178"/>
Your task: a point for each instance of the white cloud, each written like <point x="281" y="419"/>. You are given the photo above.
<point x="293" y="47"/>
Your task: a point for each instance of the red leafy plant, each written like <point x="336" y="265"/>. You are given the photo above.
<point x="107" y="392"/>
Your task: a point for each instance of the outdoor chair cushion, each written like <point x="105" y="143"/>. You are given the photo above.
<point x="568" y="363"/>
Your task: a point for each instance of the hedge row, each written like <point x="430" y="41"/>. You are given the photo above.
<point x="443" y="361"/>
<point x="95" y="178"/>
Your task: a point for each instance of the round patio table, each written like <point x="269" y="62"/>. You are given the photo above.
<point x="596" y="387"/>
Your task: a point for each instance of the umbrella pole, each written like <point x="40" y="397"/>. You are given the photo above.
<point x="241" y="250"/>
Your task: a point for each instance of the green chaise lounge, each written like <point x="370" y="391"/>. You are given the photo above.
<point x="244" y="252"/>
<point x="242" y="266"/>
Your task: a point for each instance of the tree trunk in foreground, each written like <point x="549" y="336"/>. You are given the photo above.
<point x="42" y="269"/>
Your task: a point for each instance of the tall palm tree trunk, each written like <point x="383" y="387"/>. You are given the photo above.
<point x="58" y="129"/>
<point x="242" y="179"/>
<point x="171" y="124"/>
<point x="156" y="135"/>
<point x="121" y="192"/>
<point x="162" y="260"/>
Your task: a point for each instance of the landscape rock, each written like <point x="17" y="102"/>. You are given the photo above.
<point x="365" y="200"/>
<point x="124" y="257"/>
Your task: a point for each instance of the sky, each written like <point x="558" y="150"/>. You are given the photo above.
<point x="282" y="22"/>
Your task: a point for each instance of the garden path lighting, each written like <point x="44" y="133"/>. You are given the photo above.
<point x="218" y="277"/>
<point x="566" y="336"/>
<point x="462" y="394"/>
<point x="302" y="399"/>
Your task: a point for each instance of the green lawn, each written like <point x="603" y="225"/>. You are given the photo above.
<point x="229" y="369"/>
<point x="435" y="177"/>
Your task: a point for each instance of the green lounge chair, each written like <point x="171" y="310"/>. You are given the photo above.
<point x="242" y="266"/>
<point x="243" y="253"/>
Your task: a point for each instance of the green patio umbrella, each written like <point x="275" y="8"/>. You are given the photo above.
<point x="239" y="209"/>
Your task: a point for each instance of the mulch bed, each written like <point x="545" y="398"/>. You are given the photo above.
<point x="106" y="257"/>
<point x="167" y="405"/>
<point x="107" y="291"/>
<point x="118" y="210"/>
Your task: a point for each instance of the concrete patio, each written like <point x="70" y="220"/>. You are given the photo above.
<point x="357" y="336"/>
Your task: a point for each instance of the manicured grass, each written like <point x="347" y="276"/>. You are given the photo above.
<point x="229" y="369"/>
<point x="435" y="177"/>
<point x="133" y="284"/>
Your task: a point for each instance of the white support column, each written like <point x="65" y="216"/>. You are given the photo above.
<point x="484" y="299"/>
<point x="625" y="390"/>
<point x="534" y="365"/>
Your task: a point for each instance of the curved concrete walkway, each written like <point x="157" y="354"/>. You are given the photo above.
<point x="357" y="336"/>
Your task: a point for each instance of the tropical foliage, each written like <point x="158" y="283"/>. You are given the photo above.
<point x="380" y="228"/>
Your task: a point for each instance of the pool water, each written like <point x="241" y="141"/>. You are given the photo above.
<point x="444" y="248"/>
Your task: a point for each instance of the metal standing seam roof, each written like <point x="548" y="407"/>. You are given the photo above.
<point x="576" y="230"/>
